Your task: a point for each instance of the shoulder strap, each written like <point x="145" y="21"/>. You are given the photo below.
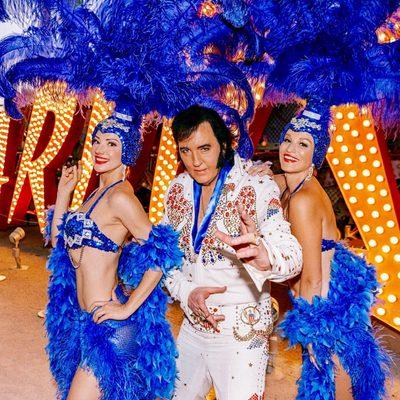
<point x="101" y="196"/>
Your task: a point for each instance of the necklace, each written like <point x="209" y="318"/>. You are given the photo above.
<point x="80" y="258"/>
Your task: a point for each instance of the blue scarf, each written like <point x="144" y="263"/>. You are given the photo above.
<point x="198" y="233"/>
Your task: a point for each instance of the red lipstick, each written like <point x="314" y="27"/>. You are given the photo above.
<point x="289" y="158"/>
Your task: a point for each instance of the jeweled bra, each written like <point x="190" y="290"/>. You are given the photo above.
<point x="80" y="230"/>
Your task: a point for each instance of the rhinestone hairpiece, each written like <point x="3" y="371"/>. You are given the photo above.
<point x="113" y="123"/>
<point x="301" y="123"/>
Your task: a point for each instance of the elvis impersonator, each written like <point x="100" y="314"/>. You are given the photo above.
<point x="222" y="289"/>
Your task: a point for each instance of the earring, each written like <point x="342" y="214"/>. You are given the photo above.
<point x="310" y="172"/>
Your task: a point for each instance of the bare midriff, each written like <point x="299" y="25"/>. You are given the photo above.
<point x="96" y="275"/>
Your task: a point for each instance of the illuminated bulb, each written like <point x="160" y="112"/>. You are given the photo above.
<point x="378" y="259"/>
<point x="330" y="149"/>
<point x="375" y="214"/>
<point x="366" y="228"/>
<point x="339" y="138"/>
<point x="386" y="248"/>
<point x="387" y="207"/>
<point x="394" y="240"/>
<point x="353" y="200"/>
<point x="348" y="161"/>
<point x="379" y="229"/>
<point x="341" y="174"/>
<point x="383" y="192"/>
<point x="335" y="161"/>
<point x="396" y="321"/>
<point x="397" y="257"/>
<point x="376" y="163"/>
<point x="366" y="172"/>
<point x="346" y="186"/>
<point x="359" y="213"/>
<point x="372" y="243"/>
<point x="346" y="127"/>
<point x="344" y="149"/>
<point x="351" y="115"/>
<point x="371" y="188"/>
<point x="373" y="150"/>
<point x="367" y="123"/>
<point x="371" y="200"/>
<point x="380" y="311"/>
<point x="370" y="136"/>
<point x="384" y="276"/>
<point x="390" y="224"/>
<point x="354" y="133"/>
<point x="339" y="115"/>
<point x="380" y="178"/>
<point x="362" y="158"/>
<point x="392" y="298"/>
<point x="353" y="173"/>
<point x="359" y="186"/>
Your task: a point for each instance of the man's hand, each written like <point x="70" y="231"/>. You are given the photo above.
<point x="197" y="303"/>
<point x="261" y="169"/>
<point x="248" y="246"/>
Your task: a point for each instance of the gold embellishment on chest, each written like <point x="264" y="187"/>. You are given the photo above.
<point x="180" y="209"/>
<point x="227" y="211"/>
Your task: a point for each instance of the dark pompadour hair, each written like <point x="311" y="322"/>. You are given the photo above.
<point x="187" y="121"/>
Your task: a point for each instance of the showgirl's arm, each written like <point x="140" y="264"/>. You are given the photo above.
<point x="306" y="225"/>
<point x="69" y="178"/>
<point x="134" y="218"/>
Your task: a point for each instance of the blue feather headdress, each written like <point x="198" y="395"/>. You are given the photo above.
<point x="140" y="51"/>
<point x="314" y="119"/>
<point x="329" y="50"/>
<point x="124" y="127"/>
<point x="319" y="49"/>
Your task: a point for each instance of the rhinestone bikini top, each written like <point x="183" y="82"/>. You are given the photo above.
<point x="80" y="230"/>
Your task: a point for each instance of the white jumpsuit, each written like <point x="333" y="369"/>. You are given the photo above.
<point x="234" y="359"/>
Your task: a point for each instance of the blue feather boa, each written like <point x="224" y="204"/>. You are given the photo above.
<point x="340" y="324"/>
<point x="75" y="340"/>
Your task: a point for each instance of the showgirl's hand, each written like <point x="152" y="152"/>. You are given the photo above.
<point x="104" y="310"/>
<point x="261" y="169"/>
<point x="197" y="303"/>
<point x="248" y="246"/>
<point x="312" y="356"/>
<point x="69" y="178"/>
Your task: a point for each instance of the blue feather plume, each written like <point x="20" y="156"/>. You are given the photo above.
<point x="140" y="50"/>
<point x="340" y="324"/>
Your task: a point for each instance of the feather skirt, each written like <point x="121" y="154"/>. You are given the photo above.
<point x="340" y="325"/>
<point x="132" y="359"/>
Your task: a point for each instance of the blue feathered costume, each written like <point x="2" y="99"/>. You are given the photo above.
<point x="132" y="359"/>
<point x="340" y="325"/>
